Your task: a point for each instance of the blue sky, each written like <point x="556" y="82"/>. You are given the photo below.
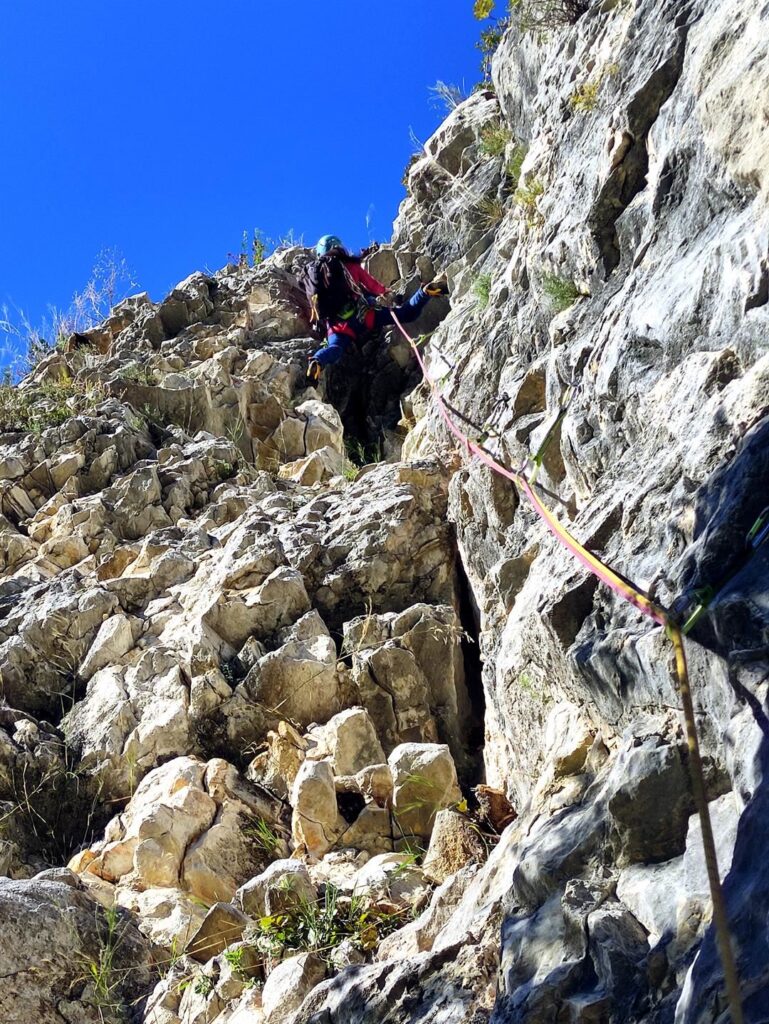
<point x="165" y="128"/>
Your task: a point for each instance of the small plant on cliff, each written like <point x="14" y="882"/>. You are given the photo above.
<point x="526" y="197"/>
<point x="490" y="39"/>
<point x="360" y="454"/>
<point x="446" y="95"/>
<point x="491" y="210"/>
<point x="585" y="96"/>
<point x="494" y="139"/>
<point x="320" y="925"/>
<point x="242" y="964"/>
<point x="204" y="985"/>
<point x="482" y="289"/>
<point x="263" y="835"/>
<point x="48" y="404"/>
<point x="111" y="280"/>
<point x="539" y="16"/>
<point x="101" y="971"/>
<point x="514" y="164"/>
<point x="253" y="249"/>
<point x="138" y="373"/>
<point x="561" y="291"/>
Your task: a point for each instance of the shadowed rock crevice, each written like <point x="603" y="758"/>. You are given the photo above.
<point x="471" y="656"/>
<point x="629" y="156"/>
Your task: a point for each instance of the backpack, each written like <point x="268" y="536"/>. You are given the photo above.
<point x="329" y="287"/>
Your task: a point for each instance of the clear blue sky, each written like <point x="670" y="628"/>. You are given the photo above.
<point x="164" y="128"/>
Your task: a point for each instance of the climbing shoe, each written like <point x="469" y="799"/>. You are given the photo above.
<point x="314" y="370"/>
<point x="436" y="287"/>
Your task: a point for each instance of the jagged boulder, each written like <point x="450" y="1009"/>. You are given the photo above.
<point x="453" y="844"/>
<point x="425" y="781"/>
<point x="349" y="741"/>
<point x="316" y="822"/>
<point x="187" y="827"/>
<point x="283" y="886"/>
<point x="409" y="672"/>
<point x="58" y="945"/>
<point x="288" y="985"/>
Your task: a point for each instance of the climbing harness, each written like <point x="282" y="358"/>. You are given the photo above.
<point x="657" y="613"/>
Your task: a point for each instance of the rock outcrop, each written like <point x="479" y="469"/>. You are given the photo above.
<point x="250" y="688"/>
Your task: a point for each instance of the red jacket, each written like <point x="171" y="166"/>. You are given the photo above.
<point x="368" y="285"/>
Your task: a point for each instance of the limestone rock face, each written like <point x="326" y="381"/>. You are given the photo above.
<point x="244" y="677"/>
<point x="58" y="925"/>
<point x="453" y="844"/>
<point x="186" y="827"/>
<point x="409" y="671"/>
<point x="316" y="823"/>
<point x="283" y="885"/>
<point x="288" y="984"/>
<point x="425" y="781"/>
<point x="349" y="740"/>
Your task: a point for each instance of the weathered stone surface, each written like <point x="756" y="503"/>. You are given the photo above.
<point x="287" y="986"/>
<point x="453" y="844"/>
<point x="277" y="767"/>
<point x="168" y="917"/>
<point x="425" y="781"/>
<point x="320" y="465"/>
<point x="53" y="924"/>
<point x="409" y="672"/>
<point x="316" y="823"/>
<point x="284" y="885"/>
<point x="649" y="811"/>
<point x="185" y="574"/>
<point x="222" y="927"/>
<point x="392" y="879"/>
<point x="349" y="741"/>
<point x="185" y="827"/>
<point x="299" y="680"/>
<point x="114" y="639"/>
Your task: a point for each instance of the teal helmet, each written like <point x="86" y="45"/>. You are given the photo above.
<point x="327" y="243"/>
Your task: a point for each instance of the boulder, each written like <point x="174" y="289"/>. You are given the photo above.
<point x="282" y="886"/>
<point x="288" y="985"/>
<point x="454" y="843"/>
<point x="376" y="783"/>
<point x="299" y="680"/>
<point x="276" y="768"/>
<point x="393" y="879"/>
<point x="114" y="639"/>
<point x="318" y="466"/>
<point x="349" y="741"/>
<point x="316" y="823"/>
<point x="223" y="925"/>
<point x="425" y="781"/>
<point x="187" y="827"/>
<point x="409" y="671"/>
<point x="323" y="426"/>
<point x="649" y="809"/>
<point x="169" y="918"/>
<point x="55" y="940"/>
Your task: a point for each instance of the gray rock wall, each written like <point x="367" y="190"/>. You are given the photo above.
<point x="642" y="209"/>
<point x="221" y="643"/>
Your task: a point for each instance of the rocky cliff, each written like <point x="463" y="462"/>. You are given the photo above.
<point x="306" y="717"/>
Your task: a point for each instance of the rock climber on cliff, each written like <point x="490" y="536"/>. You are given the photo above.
<point x="347" y="302"/>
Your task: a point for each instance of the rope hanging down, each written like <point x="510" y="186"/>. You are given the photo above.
<point x="640" y="600"/>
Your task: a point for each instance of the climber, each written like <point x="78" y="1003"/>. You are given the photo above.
<point x="346" y="301"/>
